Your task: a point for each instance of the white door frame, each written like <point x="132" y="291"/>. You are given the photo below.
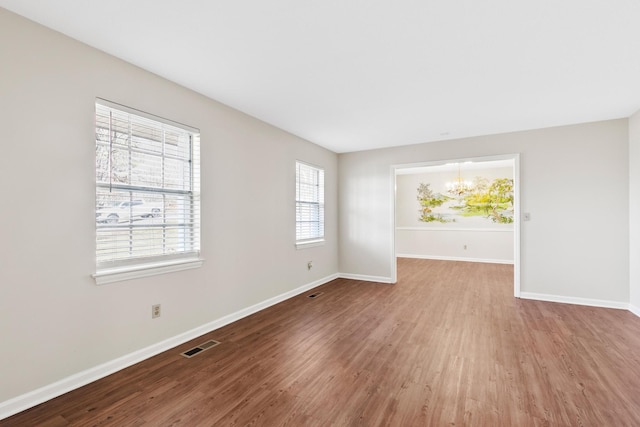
<point x="515" y="158"/>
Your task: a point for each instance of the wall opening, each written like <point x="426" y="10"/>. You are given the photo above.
<point x="458" y="209"/>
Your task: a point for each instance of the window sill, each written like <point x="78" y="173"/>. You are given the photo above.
<point x="120" y="274"/>
<point x="309" y="244"/>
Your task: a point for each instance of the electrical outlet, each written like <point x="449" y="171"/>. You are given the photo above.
<point x="155" y="311"/>
<point x="309" y="265"/>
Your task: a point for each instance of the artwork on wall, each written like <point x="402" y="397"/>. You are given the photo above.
<point x="482" y="200"/>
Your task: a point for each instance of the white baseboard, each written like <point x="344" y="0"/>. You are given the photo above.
<point x="450" y="258"/>
<point x="379" y="279"/>
<point x="48" y="392"/>
<point x="575" y="300"/>
<point x="635" y="310"/>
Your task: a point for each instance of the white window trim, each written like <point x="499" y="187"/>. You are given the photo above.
<point x="124" y="108"/>
<point x="304" y="244"/>
<point x="119" y="274"/>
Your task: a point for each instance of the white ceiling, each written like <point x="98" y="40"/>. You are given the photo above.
<point x="358" y="74"/>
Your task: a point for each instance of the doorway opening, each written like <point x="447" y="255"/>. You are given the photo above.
<point x="458" y="209"/>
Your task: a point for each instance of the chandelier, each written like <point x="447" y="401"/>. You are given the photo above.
<point x="459" y="186"/>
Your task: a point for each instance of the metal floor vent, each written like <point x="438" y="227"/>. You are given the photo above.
<point x="315" y="295"/>
<point x="202" y="347"/>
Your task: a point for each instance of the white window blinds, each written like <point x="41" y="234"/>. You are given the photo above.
<point x="147" y="188"/>
<point x="309" y="203"/>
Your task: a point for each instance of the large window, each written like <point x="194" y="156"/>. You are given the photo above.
<point x="147" y="190"/>
<point x="309" y="204"/>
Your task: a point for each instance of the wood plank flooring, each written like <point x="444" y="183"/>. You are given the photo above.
<point x="448" y="345"/>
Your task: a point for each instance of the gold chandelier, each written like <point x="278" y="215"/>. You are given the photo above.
<point x="459" y="186"/>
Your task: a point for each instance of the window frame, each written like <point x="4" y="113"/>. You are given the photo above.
<point x="140" y="265"/>
<point x="319" y="239"/>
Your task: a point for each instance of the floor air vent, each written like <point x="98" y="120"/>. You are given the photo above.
<point x="202" y="347"/>
<point x="317" y="294"/>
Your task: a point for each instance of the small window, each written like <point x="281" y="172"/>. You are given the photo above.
<point x="309" y="204"/>
<point x="147" y="190"/>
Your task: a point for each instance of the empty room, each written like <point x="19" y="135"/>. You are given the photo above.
<point x="320" y="213"/>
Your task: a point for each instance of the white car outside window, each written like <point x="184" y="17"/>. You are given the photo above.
<point x="127" y="211"/>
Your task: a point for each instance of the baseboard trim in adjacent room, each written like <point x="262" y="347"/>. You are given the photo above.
<point x="378" y="279"/>
<point x="449" y="258"/>
<point x="48" y="392"/>
<point x="635" y="310"/>
<point x="575" y="300"/>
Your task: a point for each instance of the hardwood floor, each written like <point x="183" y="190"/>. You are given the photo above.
<point x="447" y="345"/>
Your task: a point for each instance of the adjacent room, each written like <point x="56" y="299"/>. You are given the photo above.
<point x="460" y="210"/>
<point x="331" y="213"/>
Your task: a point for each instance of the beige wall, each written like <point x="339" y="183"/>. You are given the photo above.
<point x="634" y="212"/>
<point x="54" y="320"/>
<point x="574" y="183"/>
